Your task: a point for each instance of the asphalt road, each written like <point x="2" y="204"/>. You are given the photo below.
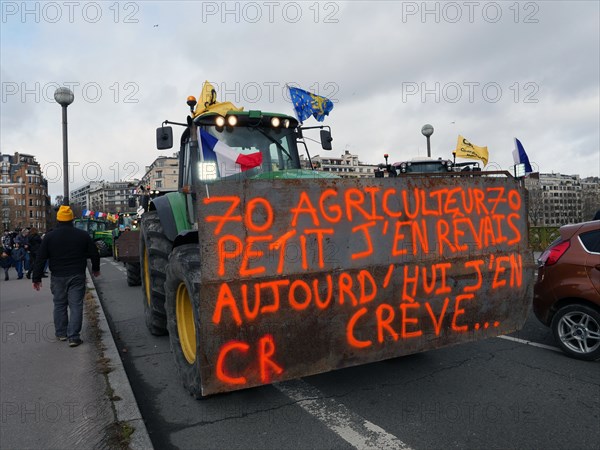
<point x="499" y="393"/>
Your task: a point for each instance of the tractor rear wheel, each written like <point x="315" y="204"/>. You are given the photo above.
<point x="134" y="276"/>
<point x="182" y="307"/>
<point x="154" y="253"/>
<point x="103" y="248"/>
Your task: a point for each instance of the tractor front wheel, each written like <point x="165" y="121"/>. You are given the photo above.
<point x="182" y="307"/>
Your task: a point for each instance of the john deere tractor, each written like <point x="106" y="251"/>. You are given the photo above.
<point x="169" y="248"/>
<point x="100" y="231"/>
<point x="261" y="270"/>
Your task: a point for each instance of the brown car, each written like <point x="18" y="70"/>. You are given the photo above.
<point x="567" y="292"/>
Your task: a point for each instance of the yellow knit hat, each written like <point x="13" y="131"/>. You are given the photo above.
<point x="64" y="214"/>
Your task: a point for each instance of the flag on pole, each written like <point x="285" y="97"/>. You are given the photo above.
<point x="229" y="161"/>
<point x="208" y="102"/>
<point x="464" y="149"/>
<point x="520" y="157"/>
<point x="307" y="104"/>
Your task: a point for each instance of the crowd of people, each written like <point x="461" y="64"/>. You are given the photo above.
<point x="18" y="249"/>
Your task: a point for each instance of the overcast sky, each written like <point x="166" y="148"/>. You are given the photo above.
<point x="490" y="71"/>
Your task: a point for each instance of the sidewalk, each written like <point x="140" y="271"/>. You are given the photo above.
<point x="55" y="396"/>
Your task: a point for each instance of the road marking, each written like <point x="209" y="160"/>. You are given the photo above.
<point x="354" y="429"/>
<point x="118" y="266"/>
<point x="534" y="344"/>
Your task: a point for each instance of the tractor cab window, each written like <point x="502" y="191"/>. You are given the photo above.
<point x="277" y="147"/>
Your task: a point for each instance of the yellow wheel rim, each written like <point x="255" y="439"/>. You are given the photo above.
<point x="147" y="275"/>
<point x="185" y="323"/>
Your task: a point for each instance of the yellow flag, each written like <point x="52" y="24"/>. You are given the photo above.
<point x="464" y="149"/>
<point x="208" y="102"/>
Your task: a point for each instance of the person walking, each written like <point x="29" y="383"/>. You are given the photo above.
<point x="35" y="240"/>
<point x="23" y="240"/>
<point x="5" y="262"/>
<point x="7" y="241"/>
<point x="67" y="249"/>
<point x="18" y="256"/>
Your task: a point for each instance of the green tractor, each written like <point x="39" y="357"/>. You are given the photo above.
<point x="100" y="231"/>
<point x="275" y="271"/>
<point x="169" y="239"/>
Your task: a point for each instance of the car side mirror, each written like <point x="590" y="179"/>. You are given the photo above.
<point x="164" y="138"/>
<point x="326" y="140"/>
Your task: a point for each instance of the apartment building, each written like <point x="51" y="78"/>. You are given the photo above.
<point x="346" y="166"/>
<point x="24" y="200"/>
<point x="103" y="196"/>
<point x="162" y="174"/>
<point x="79" y="198"/>
<point x="556" y="199"/>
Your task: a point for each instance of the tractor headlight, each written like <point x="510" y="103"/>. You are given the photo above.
<point x="232" y="121"/>
<point x="275" y="122"/>
<point x="220" y="121"/>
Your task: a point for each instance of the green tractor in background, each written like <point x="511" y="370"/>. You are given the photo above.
<point x="100" y="231"/>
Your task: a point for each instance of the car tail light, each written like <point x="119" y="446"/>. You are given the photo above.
<point x="554" y="253"/>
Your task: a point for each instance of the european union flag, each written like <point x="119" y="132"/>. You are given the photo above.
<point x="307" y="104"/>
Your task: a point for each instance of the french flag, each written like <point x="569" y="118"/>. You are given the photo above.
<point x="520" y="157"/>
<point x="229" y="160"/>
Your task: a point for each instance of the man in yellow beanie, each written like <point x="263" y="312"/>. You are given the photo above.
<point x="67" y="248"/>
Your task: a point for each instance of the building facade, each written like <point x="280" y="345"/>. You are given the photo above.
<point x="556" y="199"/>
<point x="103" y="196"/>
<point x="162" y="174"/>
<point x="590" y="192"/>
<point x="24" y="200"/>
<point x="346" y="166"/>
<point x="79" y="198"/>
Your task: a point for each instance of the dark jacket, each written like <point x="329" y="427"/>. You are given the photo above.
<point x="68" y="249"/>
<point x="17" y="254"/>
<point x="6" y="262"/>
<point x="35" y="240"/>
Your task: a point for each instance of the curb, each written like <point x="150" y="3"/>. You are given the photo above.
<point x="126" y="409"/>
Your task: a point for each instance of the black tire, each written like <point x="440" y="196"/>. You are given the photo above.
<point x="576" y="328"/>
<point x="183" y="287"/>
<point x="134" y="274"/>
<point x="103" y="248"/>
<point x="154" y="253"/>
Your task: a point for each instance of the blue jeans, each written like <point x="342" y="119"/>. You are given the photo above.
<point x="19" y="268"/>
<point x="68" y="292"/>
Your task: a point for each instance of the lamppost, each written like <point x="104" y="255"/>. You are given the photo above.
<point x="64" y="97"/>
<point x="427" y="131"/>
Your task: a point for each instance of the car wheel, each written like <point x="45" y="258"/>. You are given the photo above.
<point x="577" y="330"/>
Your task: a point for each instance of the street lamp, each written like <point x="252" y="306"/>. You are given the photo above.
<point x="427" y="131"/>
<point x="64" y="97"/>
